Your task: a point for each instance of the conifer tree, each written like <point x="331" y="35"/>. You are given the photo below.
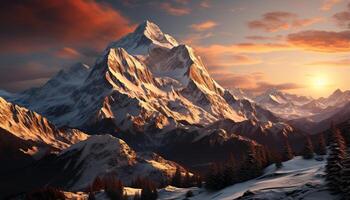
<point x="149" y="191"/>
<point x="214" y="179"/>
<point x="345" y="177"/>
<point x="335" y="160"/>
<point x="322" y="147"/>
<point x="308" y="152"/>
<point x="251" y="166"/>
<point x="177" y="178"/>
<point x="229" y="173"/>
<point x="187" y="181"/>
<point x="287" y="152"/>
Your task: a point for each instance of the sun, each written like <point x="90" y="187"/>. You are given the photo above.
<point x="319" y="82"/>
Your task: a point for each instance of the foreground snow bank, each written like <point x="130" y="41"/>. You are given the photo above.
<point x="297" y="179"/>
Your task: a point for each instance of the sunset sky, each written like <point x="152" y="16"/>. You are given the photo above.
<point x="299" y="46"/>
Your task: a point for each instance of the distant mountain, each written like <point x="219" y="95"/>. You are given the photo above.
<point x="144" y="83"/>
<point x="285" y="105"/>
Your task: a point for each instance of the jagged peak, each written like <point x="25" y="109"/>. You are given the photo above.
<point x="146" y="36"/>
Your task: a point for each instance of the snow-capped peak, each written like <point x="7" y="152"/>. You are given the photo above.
<point x="146" y="37"/>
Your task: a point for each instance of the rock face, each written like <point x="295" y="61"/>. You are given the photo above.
<point x="145" y="83"/>
<point x="32" y="134"/>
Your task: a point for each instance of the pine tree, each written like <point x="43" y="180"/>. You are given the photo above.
<point x="149" y="192"/>
<point x="214" y="179"/>
<point x="345" y="177"/>
<point x="334" y="160"/>
<point x="287" y="152"/>
<point x="251" y="167"/>
<point x="322" y="147"/>
<point x="177" y="178"/>
<point x="187" y="181"/>
<point x="308" y="152"/>
<point x="229" y="173"/>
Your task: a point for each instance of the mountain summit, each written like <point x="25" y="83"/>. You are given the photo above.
<point x="144" y="83"/>
<point x="145" y="37"/>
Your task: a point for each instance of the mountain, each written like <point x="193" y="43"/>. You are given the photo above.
<point x="24" y="132"/>
<point x="285" y="105"/>
<point x="103" y="155"/>
<point x="144" y="83"/>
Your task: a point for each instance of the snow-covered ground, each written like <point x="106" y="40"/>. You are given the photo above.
<point x="297" y="179"/>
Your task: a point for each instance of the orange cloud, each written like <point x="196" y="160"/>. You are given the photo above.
<point x="230" y="55"/>
<point x="39" y="24"/>
<point x="328" y="4"/>
<point x="254" y="82"/>
<point x="332" y="63"/>
<point x="204" y="25"/>
<point x="175" y="10"/>
<point x="321" y="41"/>
<point x="67" y="53"/>
<point x="277" y="21"/>
<point x="245" y="48"/>
<point x="259" y="37"/>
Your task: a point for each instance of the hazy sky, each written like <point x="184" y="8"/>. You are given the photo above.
<point x="300" y="46"/>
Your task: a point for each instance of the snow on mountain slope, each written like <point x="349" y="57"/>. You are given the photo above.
<point x="297" y="179"/>
<point x="30" y="127"/>
<point x="101" y="155"/>
<point x="146" y="82"/>
<point x="287" y="106"/>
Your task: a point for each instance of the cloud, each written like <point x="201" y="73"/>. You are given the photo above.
<point x="195" y="38"/>
<point x="244" y="48"/>
<point x="321" y="41"/>
<point x="343" y="18"/>
<point x="219" y="61"/>
<point x="175" y="10"/>
<point x="204" y="25"/>
<point x="205" y="4"/>
<point x="328" y="4"/>
<point x="235" y="54"/>
<point x="278" y="21"/>
<point x="332" y="63"/>
<point x="259" y="37"/>
<point x="42" y="24"/>
<point x="67" y="53"/>
<point x="253" y="82"/>
<point x="24" y="72"/>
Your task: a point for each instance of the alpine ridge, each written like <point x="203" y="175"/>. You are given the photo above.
<point x="143" y="88"/>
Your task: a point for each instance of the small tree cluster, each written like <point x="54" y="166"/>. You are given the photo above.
<point x="178" y="180"/>
<point x="148" y="189"/>
<point x="231" y="172"/>
<point x="111" y="185"/>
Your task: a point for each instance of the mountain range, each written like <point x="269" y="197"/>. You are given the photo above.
<point x="146" y="96"/>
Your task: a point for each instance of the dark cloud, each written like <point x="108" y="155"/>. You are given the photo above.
<point x="343" y="18"/>
<point x="277" y="21"/>
<point x="31" y="25"/>
<point x="322" y="41"/>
